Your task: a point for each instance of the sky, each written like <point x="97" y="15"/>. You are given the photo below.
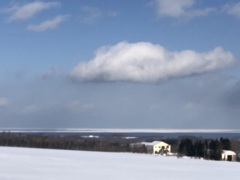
<point x="120" y="64"/>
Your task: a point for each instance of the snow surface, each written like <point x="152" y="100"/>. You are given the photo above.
<point x="39" y="164"/>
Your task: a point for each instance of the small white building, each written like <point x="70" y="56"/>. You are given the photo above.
<point x="157" y="147"/>
<point x="228" y="155"/>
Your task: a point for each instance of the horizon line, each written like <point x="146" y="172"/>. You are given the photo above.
<point x="122" y="130"/>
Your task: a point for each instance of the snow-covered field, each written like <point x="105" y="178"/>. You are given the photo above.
<point x="42" y="164"/>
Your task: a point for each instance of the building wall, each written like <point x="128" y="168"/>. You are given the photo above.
<point x="228" y="157"/>
<point x="161" y="146"/>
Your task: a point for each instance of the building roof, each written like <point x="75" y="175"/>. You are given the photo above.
<point x="228" y="152"/>
<point x="153" y="143"/>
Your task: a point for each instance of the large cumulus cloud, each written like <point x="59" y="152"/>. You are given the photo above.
<point x="147" y="62"/>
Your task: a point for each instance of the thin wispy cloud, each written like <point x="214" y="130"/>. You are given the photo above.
<point x="79" y="107"/>
<point x="146" y="62"/>
<point x="3" y="102"/>
<point x="180" y="9"/>
<point x="29" y="109"/>
<point x="26" y="11"/>
<point x="90" y="14"/>
<point x="51" y="73"/>
<point x="48" y="24"/>
<point x="232" y="9"/>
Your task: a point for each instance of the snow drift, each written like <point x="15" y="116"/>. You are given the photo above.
<point x="38" y="164"/>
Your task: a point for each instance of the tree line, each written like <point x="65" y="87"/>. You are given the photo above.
<point x="207" y="149"/>
<point x="63" y="142"/>
<point x="71" y="142"/>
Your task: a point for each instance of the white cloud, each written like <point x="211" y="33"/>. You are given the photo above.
<point x="49" y="24"/>
<point x="233" y="9"/>
<point x="179" y="8"/>
<point x="3" y="102"/>
<point x="26" y="11"/>
<point x="146" y="62"/>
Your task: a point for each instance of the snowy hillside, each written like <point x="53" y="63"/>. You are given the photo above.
<point x="39" y="164"/>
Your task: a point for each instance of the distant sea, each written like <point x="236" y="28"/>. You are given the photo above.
<point x="165" y="133"/>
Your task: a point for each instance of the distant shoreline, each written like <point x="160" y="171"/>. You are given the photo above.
<point x="209" y="133"/>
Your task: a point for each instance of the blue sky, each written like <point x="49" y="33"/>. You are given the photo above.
<point x="120" y="64"/>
